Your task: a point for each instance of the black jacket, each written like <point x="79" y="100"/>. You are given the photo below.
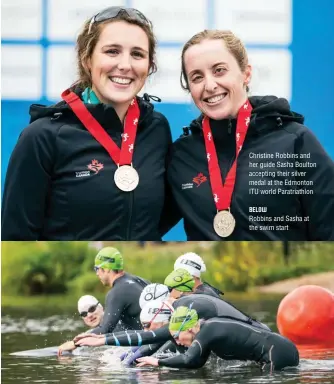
<point x="51" y="194"/>
<point x="273" y="130"/>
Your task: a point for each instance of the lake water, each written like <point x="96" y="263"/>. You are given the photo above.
<point x="46" y="326"/>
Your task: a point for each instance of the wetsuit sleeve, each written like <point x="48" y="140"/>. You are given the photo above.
<point x="114" y="307"/>
<point x="138" y="338"/>
<point x="144" y="350"/>
<point x="27" y="184"/>
<point x="169" y="348"/>
<point x="195" y="357"/>
<point x="319" y="206"/>
<point x="148" y="350"/>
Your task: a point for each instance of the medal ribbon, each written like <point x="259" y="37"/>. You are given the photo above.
<point x="120" y="156"/>
<point x="222" y="193"/>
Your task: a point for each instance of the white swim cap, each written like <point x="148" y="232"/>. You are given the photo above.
<point x="192" y="262"/>
<point x="85" y="302"/>
<point x="156" y="311"/>
<point x="153" y="292"/>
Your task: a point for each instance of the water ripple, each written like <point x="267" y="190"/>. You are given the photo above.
<point x="39" y="326"/>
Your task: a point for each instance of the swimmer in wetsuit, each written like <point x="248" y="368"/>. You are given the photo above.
<point x="182" y="288"/>
<point x="180" y="283"/>
<point x="153" y="292"/>
<point x="154" y="315"/>
<point x="228" y="339"/>
<point x="122" y="301"/>
<point x="195" y="265"/>
<point x="91" y="312"/>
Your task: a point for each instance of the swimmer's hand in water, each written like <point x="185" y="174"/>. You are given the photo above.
<point x="148" y="360"/>
<point x="91" y="342"/>
<point x="84" y="335"/>
<point x="68" y="346"/>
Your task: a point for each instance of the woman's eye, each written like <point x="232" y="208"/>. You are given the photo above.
<point x="112" y="51"/>
<point x="196" y="78"/>
<point x="137" y="54"/>
<point x="220" y="70"/>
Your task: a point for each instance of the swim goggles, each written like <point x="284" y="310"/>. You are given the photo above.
<point x="185" y="320"/>
<point x="91" y="309"/>
<point x="147" y="324"/>
<point x="106" y="260"/>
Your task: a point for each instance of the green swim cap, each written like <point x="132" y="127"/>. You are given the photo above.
<point x="183" y="319"/>
<point x="181" y="280"/>
<point x="109" y="258"/>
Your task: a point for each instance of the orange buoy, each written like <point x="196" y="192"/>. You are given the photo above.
<point x="306" y="317"/>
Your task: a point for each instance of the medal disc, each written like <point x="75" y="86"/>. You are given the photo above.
<point x="224" y="223"/>
<point x="126" y="178"/>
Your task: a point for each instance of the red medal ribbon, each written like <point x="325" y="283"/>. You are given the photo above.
<point x="222" y="193"/>
<point x="120" y="156"/>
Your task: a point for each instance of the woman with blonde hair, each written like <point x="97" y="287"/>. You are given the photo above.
<point x="250" y="169"/>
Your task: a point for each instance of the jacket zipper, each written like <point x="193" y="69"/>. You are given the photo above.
<point x="229" y="127"/>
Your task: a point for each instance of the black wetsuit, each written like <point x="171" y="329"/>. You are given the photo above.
<point x="206" y="306"/>
<point x="208" y="289"/>
<point x="122" y="303"/>
<point x="169" y="348"/>
<point x="138" y="338"/>
<point x="203" y="289"/>
<point x="233" y="340"/>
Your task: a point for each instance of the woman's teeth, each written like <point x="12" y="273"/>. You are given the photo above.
<point x="120" y="80"/>
<point x="214" y="99"/>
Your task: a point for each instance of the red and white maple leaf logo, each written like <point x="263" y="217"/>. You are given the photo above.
<point x="199" y="179"/>
<point x="95" y="166"/>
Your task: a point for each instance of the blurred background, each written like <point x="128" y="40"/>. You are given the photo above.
<point x="32" y="269"/>
<point x="288" y="43"/>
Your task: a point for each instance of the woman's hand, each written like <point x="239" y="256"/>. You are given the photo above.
<point x="147" y="360"/>
<point x="68" y="346"/>
<point x="84" y="335"/>
<point x="90" y="342"/>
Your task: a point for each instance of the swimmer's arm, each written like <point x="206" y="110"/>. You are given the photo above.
<point x="144" y="350"/>
<point x="114" y="308"/>
<point x="148" y="349"/>
<point x="68" y="346"/>
<point x="195" y="357"/>
<point x="138" y="338"/>
<point x="167" y="347"/>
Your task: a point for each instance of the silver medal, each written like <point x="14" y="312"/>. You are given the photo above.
<point x="224" y="223"/>
<point x="126" y="178"/>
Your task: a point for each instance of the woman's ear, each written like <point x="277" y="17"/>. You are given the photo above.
<point x="87" y="64"/>
<point x="248" y="74"/>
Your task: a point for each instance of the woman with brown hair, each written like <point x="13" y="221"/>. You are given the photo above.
<point x="92" y="167"/>
<point x="250" y="169"/>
